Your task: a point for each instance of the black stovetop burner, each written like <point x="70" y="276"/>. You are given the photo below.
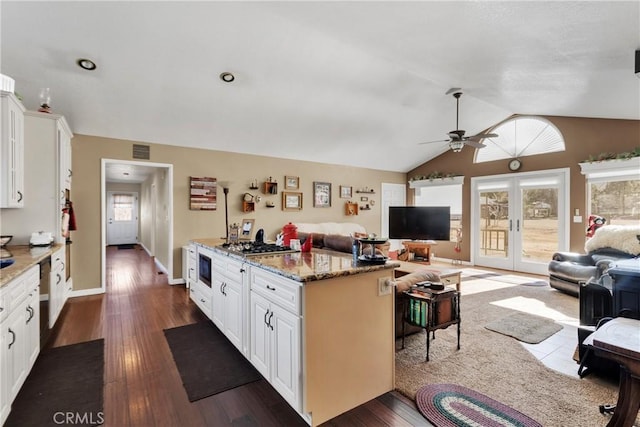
<point x="254" y="248"/>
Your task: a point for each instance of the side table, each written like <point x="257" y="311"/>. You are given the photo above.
<point x="431" y="309"/>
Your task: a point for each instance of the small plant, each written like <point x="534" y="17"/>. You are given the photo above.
<point x="613" y="156"/>
<point x="434" y="175"/>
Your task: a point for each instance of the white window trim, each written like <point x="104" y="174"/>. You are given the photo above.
<point x="612" y="170"/>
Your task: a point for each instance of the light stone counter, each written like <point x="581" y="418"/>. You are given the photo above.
<point x="319" y="264"/>
<point x="25" y="257"/>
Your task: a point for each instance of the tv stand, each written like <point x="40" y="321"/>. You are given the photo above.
<point x="417" y="251"/>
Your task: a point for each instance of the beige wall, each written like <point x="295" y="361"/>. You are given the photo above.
<point x="583" y="138"/>
<point x="238" y="170"/>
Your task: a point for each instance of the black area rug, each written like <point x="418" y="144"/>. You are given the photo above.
<point x="65" y="386"/>
<point x="207" y="361"/>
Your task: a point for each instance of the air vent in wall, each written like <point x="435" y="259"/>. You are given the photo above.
<point x="141" y="152"/>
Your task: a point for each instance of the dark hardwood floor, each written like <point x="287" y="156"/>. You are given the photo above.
<point x="142" y="384"/>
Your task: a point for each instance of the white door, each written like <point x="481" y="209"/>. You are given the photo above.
<point x="285" y="354"/>
<point x="217" y="302"/>
<point x="233" y="313"/>
<point x="392" y="195"/>
<point x="260" y="310"/>
<point x="122" y="218"/>
<point x="519" y="220"/>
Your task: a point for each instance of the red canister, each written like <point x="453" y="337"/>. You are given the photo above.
<point x="289" y="231"/>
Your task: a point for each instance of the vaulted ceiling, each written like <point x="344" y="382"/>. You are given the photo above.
<point x="355" y="83"/>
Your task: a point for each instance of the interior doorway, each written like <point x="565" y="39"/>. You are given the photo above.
<point x="154" y="207"/>
<point x="519" y="220"/>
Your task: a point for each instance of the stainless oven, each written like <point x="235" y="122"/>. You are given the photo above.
<point x="204" y="266"/>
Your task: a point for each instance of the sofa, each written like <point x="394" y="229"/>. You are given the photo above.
<point x="609" y="244"/>
<point x="338" y="237"/>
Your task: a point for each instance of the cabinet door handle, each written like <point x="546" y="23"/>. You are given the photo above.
<point x="224" y="286"/>
<point x="31" y="314"/>
<point x="13" y="338"/>
<point x="242" y="270"/>
<point x="269" y="323"/>
<point x="70" y="173"/>
<point x="270" y="288"/>
<point x="265" y="317"/>
<point x="19" y="196"/>
<point x="59" y="279"/>
<point x="517" y="225"/>
<point x="202" y="300"/>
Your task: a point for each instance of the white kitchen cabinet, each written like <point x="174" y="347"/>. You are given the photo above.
<point x="189" y="265"/>
<point x="18" y="327"/>
<point x="227" y="299"/>
<point x="275" y="333"/>
<point x="46" y="177"/>
<point x="57" y="285"/>
<point x="12" y="152"/>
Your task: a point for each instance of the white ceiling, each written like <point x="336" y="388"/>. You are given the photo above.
<point x="355" y="83"/>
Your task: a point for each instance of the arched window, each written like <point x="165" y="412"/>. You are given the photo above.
<point x="520" y="136"/>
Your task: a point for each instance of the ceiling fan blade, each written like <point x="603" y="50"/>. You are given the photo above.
<point x="474" y="144"/>
<point x="483" y="136"/>
<point x="431" y="142"/>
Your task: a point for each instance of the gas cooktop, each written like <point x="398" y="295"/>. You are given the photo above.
<point x="253" y="248"/>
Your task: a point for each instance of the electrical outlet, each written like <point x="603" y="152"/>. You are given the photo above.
<point x="384" y="286"/>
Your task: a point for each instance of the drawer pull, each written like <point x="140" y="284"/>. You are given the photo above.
<point x="202" y="301"/>
<point x="270" y="288"/>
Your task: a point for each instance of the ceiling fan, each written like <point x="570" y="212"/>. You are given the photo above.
<point x="457" y="140"/>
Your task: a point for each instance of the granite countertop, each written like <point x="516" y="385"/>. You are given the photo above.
<point x="25" y="257"/>
<point x="319" y="264"/>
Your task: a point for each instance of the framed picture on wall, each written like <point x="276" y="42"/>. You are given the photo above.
<point x="291" y="182"/>
<point x="202" y="194"/>
<point x="321" y="194"/>
<point x="345" y="191"/>
<point x="291" y="201"/>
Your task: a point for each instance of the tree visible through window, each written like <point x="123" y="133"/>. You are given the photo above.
<point x="617" y="201"/>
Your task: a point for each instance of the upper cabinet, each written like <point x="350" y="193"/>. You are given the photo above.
<point x="12" y="150"/>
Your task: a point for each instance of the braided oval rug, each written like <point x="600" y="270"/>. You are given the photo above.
<point x="450" y="405"/>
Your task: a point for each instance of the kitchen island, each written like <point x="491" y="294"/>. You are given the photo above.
<point x="317" y="326"/>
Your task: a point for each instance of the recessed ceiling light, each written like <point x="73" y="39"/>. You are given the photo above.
<point x="86" y="64"/>
<point x="227" y="77"/>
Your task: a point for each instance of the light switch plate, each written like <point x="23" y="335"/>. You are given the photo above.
<point x="384" y="286"/>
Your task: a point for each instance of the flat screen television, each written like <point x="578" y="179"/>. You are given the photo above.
<point x="419" y="222"/>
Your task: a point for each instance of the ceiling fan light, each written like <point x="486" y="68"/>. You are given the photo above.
<point x="456" y="146"/>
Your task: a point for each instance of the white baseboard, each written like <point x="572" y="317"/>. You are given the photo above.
<point x="178" y="281"/>
<point x="86" y="292"/>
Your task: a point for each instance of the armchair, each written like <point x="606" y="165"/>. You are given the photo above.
<point x="609" y="244"/>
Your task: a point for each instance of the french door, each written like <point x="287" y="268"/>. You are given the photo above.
<point x="519" y="220"/>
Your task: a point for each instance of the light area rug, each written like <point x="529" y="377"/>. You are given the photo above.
<point x="499" y="366"/>
<point x="525" y="327"/>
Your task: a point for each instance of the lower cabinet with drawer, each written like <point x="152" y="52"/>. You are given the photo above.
<point x="19" y="334"/>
